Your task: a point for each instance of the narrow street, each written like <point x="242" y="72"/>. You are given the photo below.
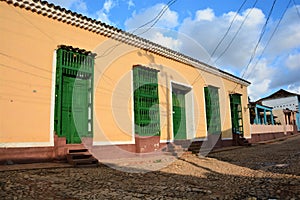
<point x="265" y="171"/>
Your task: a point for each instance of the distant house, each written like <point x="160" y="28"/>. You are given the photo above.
<point x="285" y="106"/>
<point x="274" y="116"/>
<point x="260" y="114"/>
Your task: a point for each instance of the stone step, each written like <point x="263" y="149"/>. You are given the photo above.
<point x="91" y="160"/>
<point x="243" y="142"/>
<point x="81" y="158"/>
<point x="77" y="150"/>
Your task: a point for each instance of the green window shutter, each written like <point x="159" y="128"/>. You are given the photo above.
<point x="212" y="108"/>
<point x="146" y="101"/>
<point x="236" y="113"/>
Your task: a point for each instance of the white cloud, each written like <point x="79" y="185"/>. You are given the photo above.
<point x="294" y="88"/>
<point x="81" y="7"/>
<point x="168" y="20"/>
<point x="287" y="37"/>
<point x="262" y="71"/>
<point x="149" y="24"/>
<point x="209" y="32"/>
<point x="166" y="41"/>
<point x="293" y="62"/>
<point x="108" y="5"/>
<point x="256" y="91"/>
<point x="285" y="76"/>
<point x="103" y="17"/>
<point x="103" y="13"/>
<point x="130" y="4"/>
<point x="260" y="77"/>
<point x="76" y="5"/>
<point x="206" y="14"/>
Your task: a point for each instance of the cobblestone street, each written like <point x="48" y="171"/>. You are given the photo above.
<point x="265" y="171"/>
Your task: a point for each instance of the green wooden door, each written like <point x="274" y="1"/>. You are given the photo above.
<point x="74" y="109"/>
<point x="179" y="118"/>
<point x="73" y="116"/>
<point x="236" y="114"/>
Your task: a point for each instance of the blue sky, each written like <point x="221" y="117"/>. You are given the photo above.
<point x="196" y="27"/>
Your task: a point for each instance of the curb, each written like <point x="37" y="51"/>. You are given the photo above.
<point x="47" y="165"/>
<point x="276" y="140"/>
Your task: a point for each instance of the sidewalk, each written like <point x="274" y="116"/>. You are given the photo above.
<point x="125" y="162"/>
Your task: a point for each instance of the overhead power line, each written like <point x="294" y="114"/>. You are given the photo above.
<point x="296" y="6"/>
<point x="19" y="69"/>
<point x="228" y="29"/>
<point x="259" y="40"/>
<point x="153" y="21"/>
<point x="156" y="18"/>
<point x="268" y="42"/>
<point x="226" y="33"/>
<point x="236" y="33"/>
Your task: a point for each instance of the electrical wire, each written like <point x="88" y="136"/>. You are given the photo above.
<point x="268" y="42"/>
<point x="228" y="29"/>
<point x="22" y="71"/>
<point x="236" y="33"/>
<point x="154" y="20"/>
<point x="200" y="74"/>
<point x="24" y="62"/>
<point x="296" y="6"/>
<point x="258" y="42"/>
<point x="260" y="38"/>
<point x="159" y="15"/>
<point x="43" y="32"/>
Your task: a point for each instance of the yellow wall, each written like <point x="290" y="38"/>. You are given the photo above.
<point x="28" y="42"/>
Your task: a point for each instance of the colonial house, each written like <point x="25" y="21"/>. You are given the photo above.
<point x="286" y="105"/>
<point x="274" y="116"/>
<point x="68" y="80"/>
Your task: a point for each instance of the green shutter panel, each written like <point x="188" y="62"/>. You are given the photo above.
<point x="212" y="108"/>
<point x="146" y="101"/>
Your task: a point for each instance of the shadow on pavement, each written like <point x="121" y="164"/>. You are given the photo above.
<point x="279" y="157"/>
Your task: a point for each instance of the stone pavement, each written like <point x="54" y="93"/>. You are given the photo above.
<point x="269" y="171"/>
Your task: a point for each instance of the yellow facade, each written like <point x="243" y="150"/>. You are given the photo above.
<point x="28" y="52"/>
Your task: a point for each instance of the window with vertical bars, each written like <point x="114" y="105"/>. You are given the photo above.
<point x="212" y="108"/>
<point x="146" y="101"/>
<point x="236" y="113"/>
